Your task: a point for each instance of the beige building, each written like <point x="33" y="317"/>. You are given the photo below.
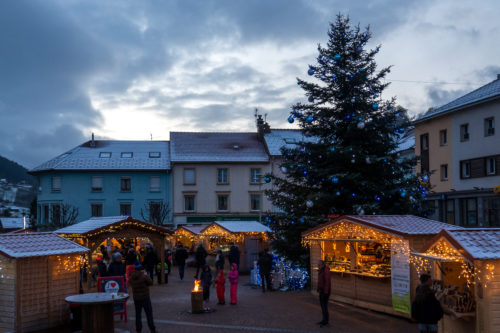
<point x="460" y="148"/>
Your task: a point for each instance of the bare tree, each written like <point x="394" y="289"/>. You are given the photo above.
<point x="156" y="212"/>
<point x="62" y="216"/>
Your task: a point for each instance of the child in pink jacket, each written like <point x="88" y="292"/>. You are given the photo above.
<point x="233" y="280"/>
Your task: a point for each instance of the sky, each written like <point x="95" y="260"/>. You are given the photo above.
<point x="132" y="70"/>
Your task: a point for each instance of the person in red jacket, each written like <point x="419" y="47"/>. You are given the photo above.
<point x="220" y="281"/>
<point x="323" y="289"/>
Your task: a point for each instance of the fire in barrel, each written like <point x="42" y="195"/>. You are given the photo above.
<point x="197" y="298"/>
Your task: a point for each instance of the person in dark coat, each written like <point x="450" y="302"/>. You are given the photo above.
<point x="116" y="268"/>
<point x="140" y="282"/>
<point x="150" y="260"/>
<point x="200" y="257"/>
<point x="426" y="309"/>
<point x="180" y="258"/>
<point x="234" y="255"/>
<point x="219" y="261"/>
<point x="130" y="260"/>
<point x="324" y="287"/>
<point x="265" y="264"/>
<point x="206" y="282"/>
<point x="102" y="270"/>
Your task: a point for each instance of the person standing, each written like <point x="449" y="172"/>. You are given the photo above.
<point x="426" y="309"/>
<point x="233" y="281"/>
<point x="206" y="282"/>
<point x="140" y="282"/>
<point x="324" y="287"/>
<point x="219" y="260"/>
<point x="220" y="282"/>
<point x="265" y="264"/>
<point x="234" y="256"/>
<point x="130" y="260"/>
<point x="200" y="257"/>
<point x="116" y="268"/>
<point x="150" y="260"/>
<point x="180" y="258"/>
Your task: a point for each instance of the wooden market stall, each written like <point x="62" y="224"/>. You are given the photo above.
<point x="116" y="231"/>
<point x="37" y="270"/>
<point x="251" y="237"/>
<point x="368" y="258"/>
<point x="188" y="235"/>
<point x="465" y="267"/>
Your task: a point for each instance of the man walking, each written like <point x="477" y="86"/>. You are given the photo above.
<point x="265" y="264"/>
<point x="426" y="309"/>
<point x="150" y="260"/>
<point x="180" y="258"/>
<point x="140" y="282"/>
<point x="324" y="285"/>
<point x="200" y="257"/>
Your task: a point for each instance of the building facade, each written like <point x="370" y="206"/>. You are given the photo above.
<point x="106" y="178"/>
<point x="460" y="148"/>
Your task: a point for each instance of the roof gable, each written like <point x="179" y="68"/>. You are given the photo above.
<point x="36" y="244"/>
<point x="228" y="227"/>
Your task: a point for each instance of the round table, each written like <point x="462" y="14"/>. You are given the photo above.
<point x="97" y="310"/>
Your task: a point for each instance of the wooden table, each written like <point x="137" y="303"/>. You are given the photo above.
<point x="97" y="310"/>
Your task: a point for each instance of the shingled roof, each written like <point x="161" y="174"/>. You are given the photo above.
<point x="279" y="138"/>
<point x="216" y="147"/>
<point x="483" y="94"/>
<point x="111" y="155"/>
<point x="37" y="244"/>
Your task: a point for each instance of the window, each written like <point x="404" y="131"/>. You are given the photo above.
<point x="464" y="132"/>
<point x="96" y="210"/>
<point x="156" y="213"/>
<point x="56" y="184"/>
<point x="154" y="154"/>
<point x="255" y="201"/>
<point x="154" y="184"/>
<point x="443" y="137"/>
<point x="125" y="184"/>
<point x="489" y="126"/>
<point x="424" y="142"/>
<point x="189" y="203"/>
<point x="465" y="169"/>
<point x="189" y="176"/>
<point x="104" y="154"/>
<point x="96" y="184"/>
<point x="450" y="211"/>
<point x="46" y="213"/>
<point x="127" y="155"/>
<point x="492" y="212"/>
<point x="469" y="212"/>
<point x="222" y="202"/>
<point x="125" y="209"/>
<point x="444" y="172"/>
<point x="222" y="176"/>
<point x="56" y="213"/>
<point x="491" y="166"/>
<point x="255" y="175"/>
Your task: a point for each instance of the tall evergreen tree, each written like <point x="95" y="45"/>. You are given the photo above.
<point x="348" y="162"/>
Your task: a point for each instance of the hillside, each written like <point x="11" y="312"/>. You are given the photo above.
<point x="13" y="172"/>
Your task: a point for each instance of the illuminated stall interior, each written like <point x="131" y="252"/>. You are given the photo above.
<point x="188" y="235"/>
<point x="358" y="250"/>
<point x="116" y="233"/>
<point x="464" y="265"/>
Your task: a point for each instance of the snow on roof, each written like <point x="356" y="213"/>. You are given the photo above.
<point x="243" y="226"/>
<point x="216" y="147"/>
<point x="398" y="224"/>
<point x="95" y="223"/>
<point x="112" y="155"/>
<point x="37" y="244"/>
<point x="482" y="94"/>
<point x="195" y="229"/>
<point x="481" y="243"/>
<point x="279" y="138"/>
<point x="407" y="141"/>
<point x="13" y="222"/>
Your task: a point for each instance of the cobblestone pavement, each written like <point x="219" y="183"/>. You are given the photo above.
<point x="291" y="312"/>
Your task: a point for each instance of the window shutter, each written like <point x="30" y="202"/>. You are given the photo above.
<point x="477" y="168"/>
<point x="56" y="183"/>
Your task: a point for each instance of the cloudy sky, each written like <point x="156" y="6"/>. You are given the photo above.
<point x="129" y="69"/>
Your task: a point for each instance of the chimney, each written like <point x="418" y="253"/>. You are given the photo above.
<point x="92" y="142"/>
<point x="262" y="126"/>
<point x="498" y="76"/>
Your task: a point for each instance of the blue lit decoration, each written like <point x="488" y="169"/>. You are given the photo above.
<point x="336" y="57"/>
<point x="335" y="180"/>
<point x="375" y="106"/>
<point x="309" y="119"/>
<point x="286" y="276"/>
<point x="311" y="71"/>
<point x="311" y="99"/>
<point x="290" y="120"/>
<point x="267" y="179"/>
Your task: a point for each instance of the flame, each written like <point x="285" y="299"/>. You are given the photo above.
<point x="196" y="286"/>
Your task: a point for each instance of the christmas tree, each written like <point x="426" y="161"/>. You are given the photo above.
<point x="348" y="161"/>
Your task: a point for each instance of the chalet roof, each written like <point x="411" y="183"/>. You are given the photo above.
<point x="397" y="224"/>
<point x="478" y="243"/>
<point x="95" y="224"/>
<point x="241" y="226"/>
<point x="112" y="155"/>
<point x="194" y="229"/>
<point x="216" y="147"/>
<point x="37" y="244"/>
<point x="13" y="222"/>
<point x="483" y="94"/>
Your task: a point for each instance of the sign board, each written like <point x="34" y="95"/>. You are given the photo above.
<point x="113" y="284"/>
<point x="400" y="275"/>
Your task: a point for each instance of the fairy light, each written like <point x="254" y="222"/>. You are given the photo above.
<point x="215" y="232"/>
<point x="68" y="264"/>
<point x="346" y="230"/>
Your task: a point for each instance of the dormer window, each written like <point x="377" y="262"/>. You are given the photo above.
<point x="290" y="141"/>
<point x="104" y="154"/>
<point x="127" y="155"/>
<point x="154" y="154"/>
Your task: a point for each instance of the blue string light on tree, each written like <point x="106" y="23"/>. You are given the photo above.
<point x="311" y="71"/>
<point x="290" y="120"/>
<point x="337" y="57"/>
<point x="309" y="119"/>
